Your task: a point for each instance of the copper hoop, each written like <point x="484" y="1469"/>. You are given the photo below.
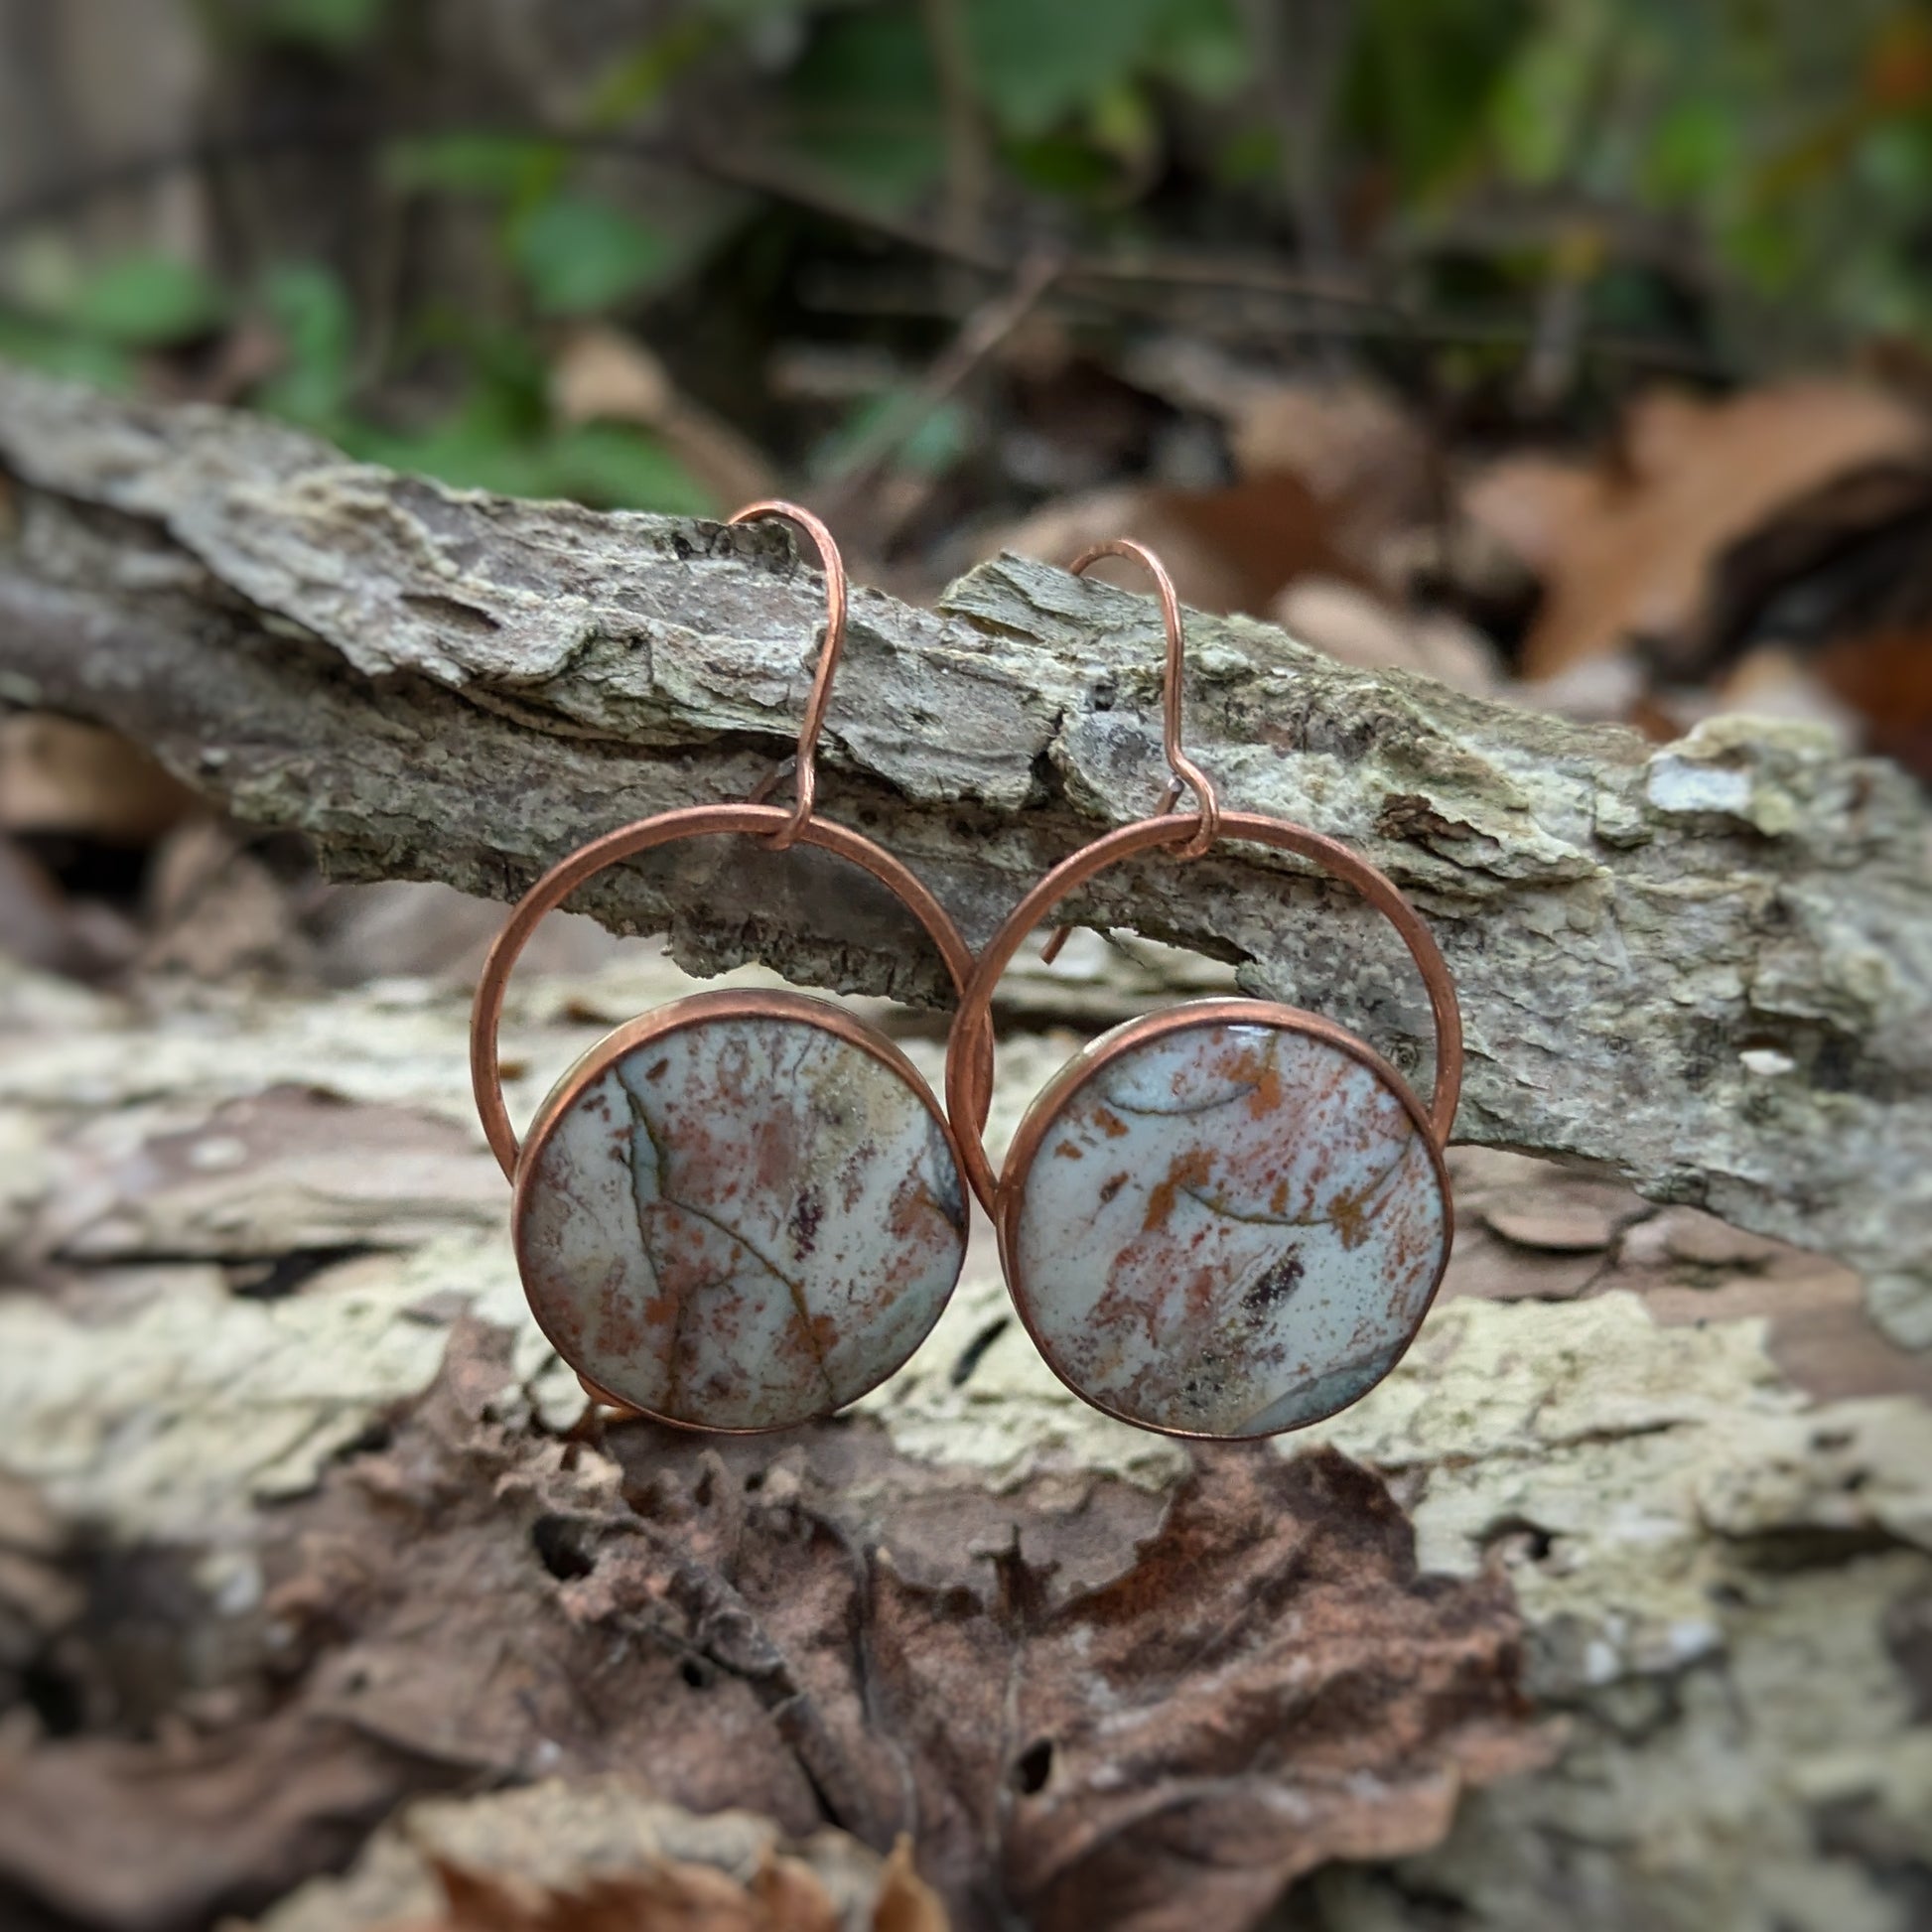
<point x="1187" y="772"/>
<point x="690" y="822"/>
<point x="805" y="790"/>
<point x="969" y="1070"/>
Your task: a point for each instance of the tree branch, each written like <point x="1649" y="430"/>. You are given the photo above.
<point x="1707" y="967"/>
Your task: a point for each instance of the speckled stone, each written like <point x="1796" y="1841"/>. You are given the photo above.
<point x="1228" y="1229"/>
<point x="742" y="1223"/>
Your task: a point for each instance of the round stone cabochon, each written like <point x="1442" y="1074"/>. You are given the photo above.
<point x="1227" y="1228"/>
<point x="742" y="1222"/>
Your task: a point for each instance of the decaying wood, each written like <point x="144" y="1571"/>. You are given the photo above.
<point x="278" y="1575"/>
<point x="1706" y="967"/>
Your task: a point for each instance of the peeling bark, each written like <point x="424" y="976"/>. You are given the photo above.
<point x="1706" y="967"/>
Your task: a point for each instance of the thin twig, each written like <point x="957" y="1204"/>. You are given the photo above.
<point x="982" y="333"/>
<point x="790" y="184"/>
<point x="1299" y="47"/>
<point x="969" y="172"/>
<point x="1152" y="290"/>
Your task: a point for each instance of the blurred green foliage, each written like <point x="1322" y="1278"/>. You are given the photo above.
<point x="339" y="26"/>
<point x="1738" y="159"/>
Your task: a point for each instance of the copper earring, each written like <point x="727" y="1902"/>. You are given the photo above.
<point x="1228" y="1218"/>
<point x="742" y="1211"/>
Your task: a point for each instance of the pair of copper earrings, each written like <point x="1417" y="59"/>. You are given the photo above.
<point x="744" y="1210"/>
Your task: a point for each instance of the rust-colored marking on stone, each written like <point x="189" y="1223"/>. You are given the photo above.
<point x="768" y="1229"/>
<point x="1260" y="1241"/>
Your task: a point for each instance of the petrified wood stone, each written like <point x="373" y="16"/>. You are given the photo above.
<point x="740" y="1220"/>
<point x="1227" y="1228"/>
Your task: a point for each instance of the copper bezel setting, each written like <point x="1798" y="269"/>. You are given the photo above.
<point x="1092" y="1060"/>
<point x="700" y="1009"/>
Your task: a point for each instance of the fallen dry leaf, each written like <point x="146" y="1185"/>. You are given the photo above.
<point x="58" y="774"/>
<point x="1628" y="547"/>
<point x="1825" y="610"/>
<point x="1361" y="627"/>
<point x="577" y="1854"/>
<point x="906" y="1902"/>
<point x="213" y="908"/>
<point x="1229" y="549"/>
<point x="1085" y="1707"/>
<point x="118" y="1832"/>
<point x="1885" y="677"/>
<point x="1857" y="541"/>
<point x="605" y="375"/>
<point x="45" y="928"/>
<point x="1360" y="455"/>
<point x="782" y="1898"/>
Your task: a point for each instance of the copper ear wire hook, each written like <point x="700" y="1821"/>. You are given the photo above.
<point x="753" y="820"/>
<point x="1186" y="773"/>
<point x="805" y="767"/>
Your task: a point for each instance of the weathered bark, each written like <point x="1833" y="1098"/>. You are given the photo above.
<point x="1707" y="967"/>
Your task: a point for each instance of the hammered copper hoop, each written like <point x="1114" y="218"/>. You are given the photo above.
<point x="969" y="1078"/>
<point x="572" y="1264"/>
<point x="782" y="828"/>
<point x="969" y="1074"/>
<point x="692" y="822"/>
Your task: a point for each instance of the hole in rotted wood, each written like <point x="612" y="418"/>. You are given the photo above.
<point x="55" y="1697"/>
<point x="451" y="611"/>
<point x="278" y="1276"/>
<point x="561" y="1549"/>
<point x="1032" y="1767"/>
<point x="971" y="1355"/>
<point x="371" y="1440"/>
<point x="695" y="1674"/>
<point x="1520" y="1536"/>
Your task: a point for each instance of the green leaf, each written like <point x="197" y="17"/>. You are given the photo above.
<point x="865" y="105"/>
<point x="933" y="445"/>
<point x="311" y="313"/>
<point x="1064" y="164"/>
<point x="505" y="164"/>
<point x="1422" y="81"/>
<point x="1694" y="147"/>
<point x="1249" y="155"/>
<point x="610" y="465"/>
<point x="59" y="351"/>
<point x="1201" y="45"/>
<point x="337" y="26"/>
<point x="145" y="301"/>
<point x="1036" y="65"/>
<point x="580" y="255"/>
<point x="638" y="78"/>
